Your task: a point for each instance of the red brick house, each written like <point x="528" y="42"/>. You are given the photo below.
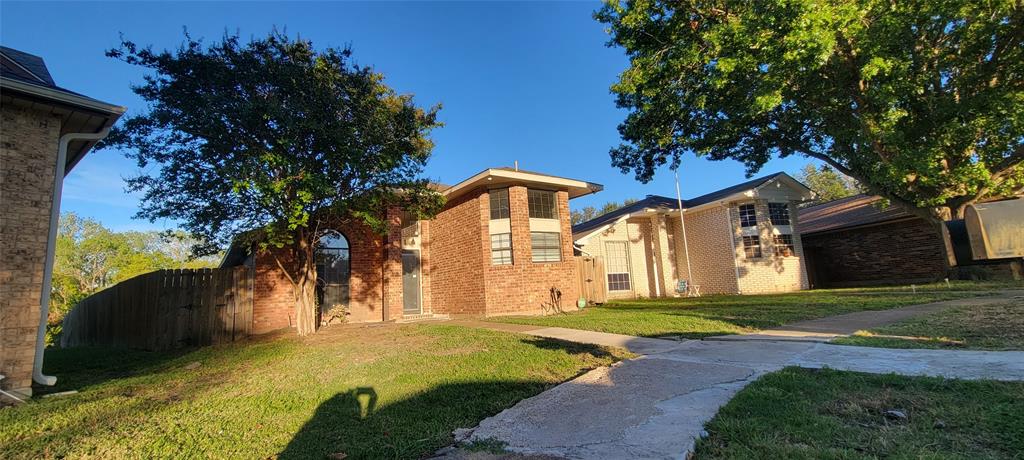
<point x="501" y="245"/>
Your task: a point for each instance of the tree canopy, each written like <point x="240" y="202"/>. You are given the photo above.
<point x="276" y="140"/>
<point x="589" y="212"/>
<point x="826" y="183"/>
<point x="921" y="101"/>
<point x="91" y="257"/>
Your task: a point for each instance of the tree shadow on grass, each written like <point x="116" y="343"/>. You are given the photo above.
<point x="360" y="423"/>
<point x="572" y="348"/>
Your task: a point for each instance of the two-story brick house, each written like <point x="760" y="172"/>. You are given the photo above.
<point x="501" y="245"/>
<point x="742" y="239"/>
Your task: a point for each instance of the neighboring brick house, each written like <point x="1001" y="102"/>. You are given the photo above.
<point x="502" y="245"/>
<point x="44" y="131"/>
<point x="856" y="241"/>
<point x="742" y="239"/>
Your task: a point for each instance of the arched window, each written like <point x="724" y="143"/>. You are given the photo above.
<point x="333" y="268"/>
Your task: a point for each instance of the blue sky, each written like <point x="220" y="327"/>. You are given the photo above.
<point x="518" y="81"/>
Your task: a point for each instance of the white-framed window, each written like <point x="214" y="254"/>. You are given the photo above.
<point x="501" y="249"/>
<point x="542" y="203"/>
<point x="778" y="213"/>
<point x="499" y="203"/>
<point x="748" y="215"/>
<point x="752" y="247"/>
<point x="546" y="246"/>
<point x="784" y="245"/>
<point x="616" y="256"/>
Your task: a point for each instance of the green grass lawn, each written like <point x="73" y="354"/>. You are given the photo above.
<point x="990" y="327"/>
<point x="394" y="391"/>
<point x="806" y="414"/>
<point x="724" y="314"/>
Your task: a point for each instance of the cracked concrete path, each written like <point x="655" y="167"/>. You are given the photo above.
<point x="655" y="406"/>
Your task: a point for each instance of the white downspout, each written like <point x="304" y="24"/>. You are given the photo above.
<point x="51" y="249"/>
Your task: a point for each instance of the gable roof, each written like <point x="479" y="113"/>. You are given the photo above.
<point x="25" y="81"/>
<point x="656" y="201"/>
<point x="852" y="211"/>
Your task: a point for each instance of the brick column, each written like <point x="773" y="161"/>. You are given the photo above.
<point x="659" y="233"/>
<point x="28" y="157"/>
<point x="393" y="266"/>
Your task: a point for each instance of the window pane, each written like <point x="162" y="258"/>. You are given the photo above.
<point x="618" y="281"/>
<point x="616" y="259"/>
<point x="501" y="249"/>
<point x="752" y="247"/>
<point x="546" y="246"/>
<point x="778" y="213"/>
<point x="748" y="216"/>
<point x="784" y="245"/>
<point x="542" y="204"/>
<point x="499" y="203"/>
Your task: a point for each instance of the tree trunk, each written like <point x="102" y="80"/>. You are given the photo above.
<point x="305" y="290"/>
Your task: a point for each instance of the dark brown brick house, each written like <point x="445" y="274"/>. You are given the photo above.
<point x="856" y="242"/>
<point x="501" y="245"/>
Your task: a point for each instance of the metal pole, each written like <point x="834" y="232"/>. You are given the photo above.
<point x="682" y="223"/>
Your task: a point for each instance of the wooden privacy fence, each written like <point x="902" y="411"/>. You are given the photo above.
<point x="592" y="279"/>
<point x="165" y="309"/>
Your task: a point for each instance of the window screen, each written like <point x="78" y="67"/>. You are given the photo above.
<point x="778" y="213"/>
<point x="784" y="245"/>
<point x="501" y="249"/>
<point x="546" y="246"/>
<point x="617" y="265"/>
<point x="542" y="204"/>
<point x="499" y="203"/>
<point x="748" y="216"/>
<point x="752" y="247"/>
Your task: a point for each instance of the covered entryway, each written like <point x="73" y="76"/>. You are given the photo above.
<point x="333" y="270"/>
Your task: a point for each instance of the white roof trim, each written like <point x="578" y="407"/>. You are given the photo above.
<point x="577" y="188"/>
<point x="61" y="96"/>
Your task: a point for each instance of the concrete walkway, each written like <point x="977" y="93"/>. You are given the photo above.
<point x="655" y="406"/>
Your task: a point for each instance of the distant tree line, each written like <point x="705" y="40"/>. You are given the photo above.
<point x="589" y="212"/>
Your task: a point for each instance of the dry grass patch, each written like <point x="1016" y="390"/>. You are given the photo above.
<point x="989" y="327"/>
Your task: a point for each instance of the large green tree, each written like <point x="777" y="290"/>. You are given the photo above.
<point x="921" y="101"/>
<point x="277" y="141"/>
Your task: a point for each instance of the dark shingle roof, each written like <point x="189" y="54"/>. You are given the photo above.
<point x="653" y="201"/>
<point x="37" y="72"/>
<point x="847" y="212"/>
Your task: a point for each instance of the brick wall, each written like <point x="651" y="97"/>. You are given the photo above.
<point x="28" y="156"/>
<point x="273" y="298"/>
<point x="771" y="272"/>
<point x="707" y="236"/>
<point x="456" y="256"/>
<point x="636" y="233"/>
<point x="900" y="252"/>
<point x="525" y="286"/>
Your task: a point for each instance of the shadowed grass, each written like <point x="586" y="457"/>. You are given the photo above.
<point x="807" y="414"/>
<point x="393" y="391"/>
<point x="988" y="327"/>
<point x="723" y="314"/>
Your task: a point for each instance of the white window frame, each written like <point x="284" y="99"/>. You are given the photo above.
<point x="785" y="207"/>
<point x="534" y="248"/>
<point x="778" y="246"/>
<point x="629" y="276"/>
<point x="502" y="249"/>
<point x="753" y="214"/>
<point x="760" y="250"/>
